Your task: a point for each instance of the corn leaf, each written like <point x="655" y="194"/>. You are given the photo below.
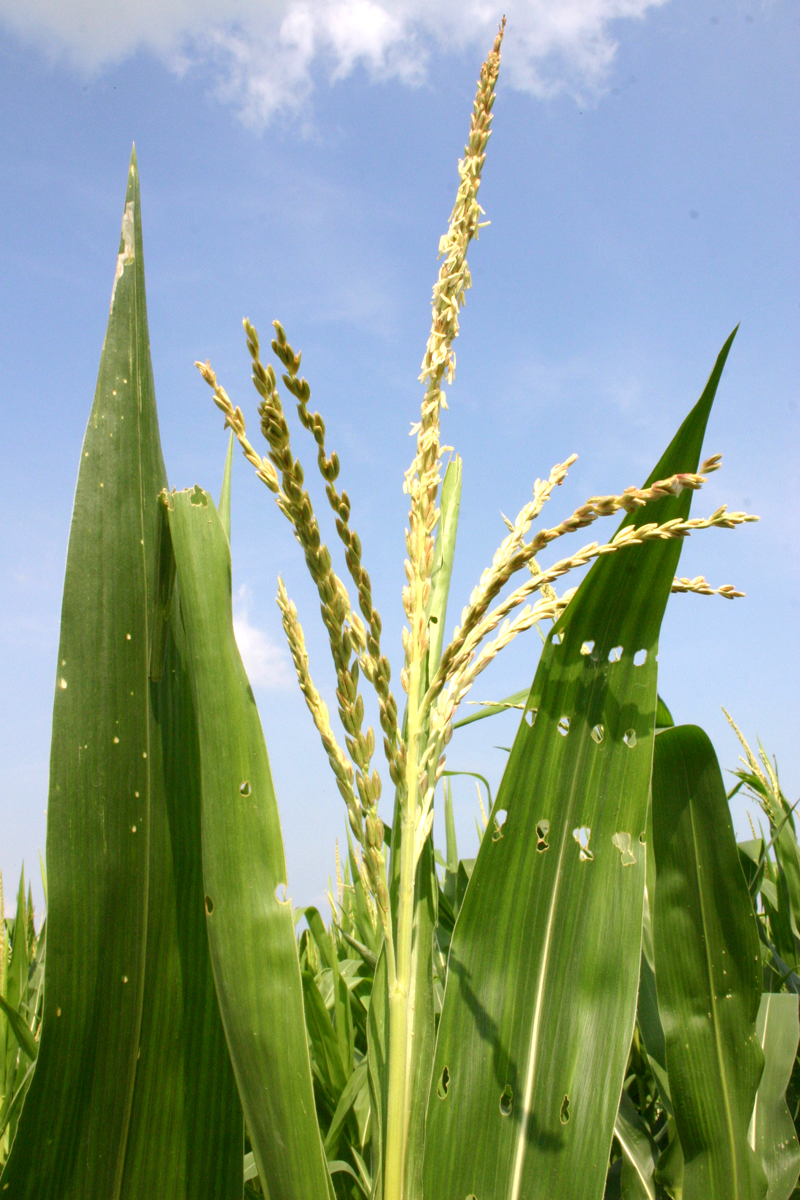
<point x="250" y="928"/>
<point x="20" y="1030"/>
<point x="772" y="1133"/>
<point x="377" y="1066"/>
<point x="117" y="1102"/>
<point x="542" y="983"/>
<point x="99" y="777"/>
<point x="708" y="971"/>
<point x="225" y="492"/>
<point x="186" y="1136"/>
<point x="638" y="1152"/>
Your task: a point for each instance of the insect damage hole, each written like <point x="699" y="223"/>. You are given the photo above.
<point x="506" y="1101"/>
<point x="209" y="903"/>
<point x="587" y="648"/>
<point x="630" y="738"/>
<point x="499" y="824"/>
<point x="557" y="639"/>
<point x="280" y="894"/>
<point x="615" y="654"/>
<point x="542" y="830"/>
<point x="443" y="1084"/>
<point x="563" y="726"/>
<point x="244" y="788"/>
<point x="623" y="843"/>
<point x="582" y="837"/>
<point x="640" y="658"/>
<point x="598" y="733"/>
<point x="530" y="716"/>
<point x="563" y="1116"/>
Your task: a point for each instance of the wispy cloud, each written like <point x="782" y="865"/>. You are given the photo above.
<point x="267" y="664"/>
<point x="266" y="55"/>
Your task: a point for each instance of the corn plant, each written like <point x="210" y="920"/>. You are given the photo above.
<point x="579" y="1009"/>
<point x="21" y="992"/>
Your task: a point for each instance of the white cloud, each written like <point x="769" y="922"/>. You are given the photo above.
<point x="267" y="665"/>
<point x="265" y="55"/>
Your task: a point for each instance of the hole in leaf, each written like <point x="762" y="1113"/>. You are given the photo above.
<point x="443" y="1084"/>
<point x="582" y="837"/>
<point x="587" y="648"/>
<point x="598" y="733"/>
<point x="563" y="726"/>
<point x="643" y="838"/>
<point x="563" y="1116"/>
<point x="198" y="496"/>
<point x="499" y="823"/>
<point x="640" y="658"/>
<point x="244" y="788"/>
<point x="280" y="894"/>
<point x="557" y="639"/>
<point x="630" y="738"/>
<point x="615" y="654"/>
<point x="530" y="716"/>
<point x="623" y="843"/>
<point x="506" y="1101"/>
<point x="542" y="830"/>
<point x="209" y="905"/>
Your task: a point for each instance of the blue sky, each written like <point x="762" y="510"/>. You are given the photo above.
<point x="298" y="160"/>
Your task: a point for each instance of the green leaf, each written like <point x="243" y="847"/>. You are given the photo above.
<point x="250" y="1168"/>
<point x="323" y="1040"/>
<point x="663" y="716"/>
<point x="787" y="853"/>
<point x="250" y="927"/>
<point x="377" y="1059"/>
<point x="708" y="971"/>
<point x="20" y="1030"/>
<point x="544" y="965"/>
<point x="225" y="494"/>
<point x="516" y="700"/>
<point x="152" y="1107"/>
<point x="99" y="777"/>
<point x="186" y="1131"/>
<point x="355" y="1083"/>
<point x="639" y="1153"/>
<point x="14" y="1098"/>
<point x="772" y="1133"/>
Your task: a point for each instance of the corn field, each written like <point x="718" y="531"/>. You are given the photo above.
<point x="602" y="1003"/>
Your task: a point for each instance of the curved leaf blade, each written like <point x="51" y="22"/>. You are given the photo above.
<point x="250" y="930"/>
<point x="772" y="1133"/>
<point x="542" y="983"/>
<point x="119" y="1105"/>
<point x="186" y="1135"/>
<point x="99" y="777"/>
<point x="708" y="972"/>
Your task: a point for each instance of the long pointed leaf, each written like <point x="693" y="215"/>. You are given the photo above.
<point x="250" y="928"/>
<point x="708" y="971"/>
<point x="119" y="1105"/>
<point x="99" y="777"/>
<point x="542" y="983"/>
<point x="186" y="1136"/>
<point x="772" y="1133"/>
<point x="20" y="1030"/>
